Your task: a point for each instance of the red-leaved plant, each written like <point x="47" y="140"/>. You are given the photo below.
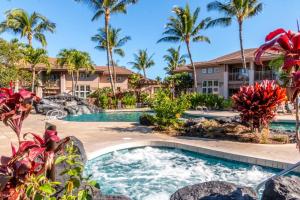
<point x="33" y="156"/>
<point x="257" y="103"/>
<point x="287" y="43"/>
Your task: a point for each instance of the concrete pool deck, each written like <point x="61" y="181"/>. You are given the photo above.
<point x="103" y="137"/>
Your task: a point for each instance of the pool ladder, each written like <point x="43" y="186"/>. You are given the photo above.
<point x="283" y="172"/>
<point x="55" y="114"/>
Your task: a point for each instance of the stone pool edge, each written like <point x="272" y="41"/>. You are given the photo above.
<point x="215" y="153"/>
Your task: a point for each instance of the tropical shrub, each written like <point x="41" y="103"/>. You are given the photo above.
<point x="287" y="43"/>
<point x="211" y="101"/>
<point x="167" y="110"/>
<point x="147" y="119"/>
<point x="257" y="104"/>
<point x="103" y="97"/>
<point x="29" y="172"/>
<point x="129" y="100"/>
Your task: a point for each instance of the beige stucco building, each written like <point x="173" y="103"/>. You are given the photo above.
<point x="224" y="75"/>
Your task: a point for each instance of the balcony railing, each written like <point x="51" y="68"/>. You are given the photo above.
<point x="237" y="76"/>
<point x="265" y="75"/>
<point x="52" y="84"/>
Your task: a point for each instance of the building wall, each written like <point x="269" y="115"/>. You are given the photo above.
<point x="92" y="80"/>
<point x="121" y="83"/>
<point x="213" y="73"/>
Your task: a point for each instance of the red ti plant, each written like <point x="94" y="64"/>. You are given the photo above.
<point x="257" y="103"/>
<point x="32" y="157"/>
<point x="288" y="44"/>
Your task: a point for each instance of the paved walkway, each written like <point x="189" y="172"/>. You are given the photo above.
<point x="102" y="135"/>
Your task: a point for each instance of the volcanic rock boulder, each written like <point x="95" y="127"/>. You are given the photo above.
<point x="214" y="190"/>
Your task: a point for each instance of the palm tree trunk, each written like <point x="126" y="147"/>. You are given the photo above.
<point x="144" y="71"/>
<point x="194" y="69"/>
<point x="77" y="78"/>
<point x="107" y="52"/>
<point x="114" y="69"/>
<point x="241" y="44"/>
<point x="73" y="91"/>
<point x="33" y="79"/>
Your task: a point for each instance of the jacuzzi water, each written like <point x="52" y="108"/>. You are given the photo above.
<point x="156" y="173"/>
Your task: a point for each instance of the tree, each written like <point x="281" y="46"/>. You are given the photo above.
<point x="142" y="61"/>
<point x="11" y="53"/>
<point x="75" y="61"/>
<point x="235" y="9"/>
<point x="116" y="42"/>
<point x="30" y="26"/>
<point x="183" y="27"/>
<point x="174" y="60"/>
<point x="34" y="57"/>
<point x="181" y="82"/>
<point x="106" y="8"/>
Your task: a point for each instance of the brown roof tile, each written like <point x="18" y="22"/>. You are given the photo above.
<point x="119" y="70"/>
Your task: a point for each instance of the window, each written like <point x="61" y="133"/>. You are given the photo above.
<point x="204" y="71"/>
<point x="216" y="70"/>
<point x="119" y="79"/>
<point x="210" y="70"/>
<point x="108" y="79"/>
<point x="210" y="87"/>
<point x="84" y="75"/>
<point x="83" y="91"/>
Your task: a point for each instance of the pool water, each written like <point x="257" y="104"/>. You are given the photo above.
<point x="155" y="173"/>
<point x="106" y="117"/>
<point x="134" y="117"/>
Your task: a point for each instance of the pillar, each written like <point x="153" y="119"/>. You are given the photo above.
<point x="251" y="73"/>
<point x="62" y="83"/>
<point x="225" y="85"/>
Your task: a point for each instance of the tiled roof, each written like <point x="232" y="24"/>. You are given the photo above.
<point x="119" y="70"/>
<point x="182" y="69"/>
<point x="235" y="58"/>
<point x="103" y="69"/>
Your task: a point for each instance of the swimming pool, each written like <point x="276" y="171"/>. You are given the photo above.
<point x="155" y="173"/>
<point x="134" y="117"/>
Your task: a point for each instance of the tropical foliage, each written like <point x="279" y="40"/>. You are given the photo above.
<point x="258" y="103"/>
<point x="181" y="82"/>
<point x="183" y="27"/>
<point x="211" y="101"/>
<point x="75" y="61"/>
<point x="238" y="10"/>
<point x="28" y="173"/>
<point x="174" y="60"/>
<point x="33" y="58"/>
<point x="31" y="26"/>
<point x="167" y="110"/>
<point x="142" y="61"/>
<point x="116" y="42"/>
<point x="288" y="44"/>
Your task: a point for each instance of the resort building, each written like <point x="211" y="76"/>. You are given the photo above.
<point x="58" y="80"/>
<point x="224" y="75"/>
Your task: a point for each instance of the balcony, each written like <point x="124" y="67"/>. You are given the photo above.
<point x="50" y="84"/>
<point x="238" y="76"/>
<point x="265" y="75"/>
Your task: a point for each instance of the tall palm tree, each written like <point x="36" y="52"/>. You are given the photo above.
<point x="75" y="61"/>
<point x="240" y="10"/>
<point x="183" y="27"/>
<point x="35" y="57"/>
<point x="106" y="8"/>
<point x="115" y="43"/>
<point x="142" y="61"/>
<point x="174" y="60"/>
<point x="31" y="26"/>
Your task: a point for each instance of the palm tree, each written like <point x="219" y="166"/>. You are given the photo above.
<point x="30" y="26"/>
<point x="35" y="57"/>
<point x="75" y="61"/>
<point x="142" y="61"/>
<point x="183" y="27"/>
<point x="106" y="8"/>
<point x="174" y="60"/>
<point x="115" y="44"/>
<point x="235" y="9"/>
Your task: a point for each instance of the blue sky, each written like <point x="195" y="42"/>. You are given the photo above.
<point x="145" y="23"/>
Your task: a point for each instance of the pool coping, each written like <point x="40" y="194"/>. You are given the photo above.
<point x="206" y="151"/>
